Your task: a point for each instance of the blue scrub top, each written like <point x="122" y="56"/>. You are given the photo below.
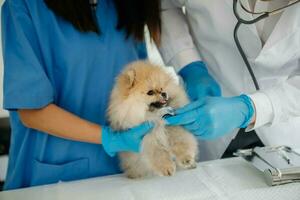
<point x="46" y="60"/>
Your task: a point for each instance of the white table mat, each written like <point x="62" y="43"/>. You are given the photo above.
<point x="228" y="179"/>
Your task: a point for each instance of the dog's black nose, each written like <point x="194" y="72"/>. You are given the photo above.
<point x="164" y="94"/>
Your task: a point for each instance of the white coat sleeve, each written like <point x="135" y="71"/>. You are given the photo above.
<point x="177" y="47"/>
<point x="277" y="104"/>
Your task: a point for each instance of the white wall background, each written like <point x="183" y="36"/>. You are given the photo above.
<point x="3" y="113"/>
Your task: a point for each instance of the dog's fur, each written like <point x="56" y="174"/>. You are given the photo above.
<point x="138" y="97"/>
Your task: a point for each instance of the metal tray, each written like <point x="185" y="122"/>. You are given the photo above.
<point x="280" y="164"/>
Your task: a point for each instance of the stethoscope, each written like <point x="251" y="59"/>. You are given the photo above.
<point x="262" y="15"/>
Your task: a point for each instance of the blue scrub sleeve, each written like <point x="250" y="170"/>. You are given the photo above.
<point x="26" y="84"/>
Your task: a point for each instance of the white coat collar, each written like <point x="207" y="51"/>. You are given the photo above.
<point x="250" y="40"/>
<point x="284" y="40"/>
<point x="244" y="15"/>
<point x="280" y="41"/>
<point x="287" y="25"/>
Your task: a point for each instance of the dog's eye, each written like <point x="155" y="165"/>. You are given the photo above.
<point x="150" y="92"/>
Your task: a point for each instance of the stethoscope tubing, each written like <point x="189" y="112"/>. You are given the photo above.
<point x="237" y="41"/>
<point x="241" y="21"/>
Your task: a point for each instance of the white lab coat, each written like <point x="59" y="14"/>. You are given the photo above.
<point x="206" y="32"/>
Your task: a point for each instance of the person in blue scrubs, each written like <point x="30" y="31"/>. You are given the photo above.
<point x="60" y="61"/>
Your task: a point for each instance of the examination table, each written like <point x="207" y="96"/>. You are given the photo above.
<point x="227" y="179"/>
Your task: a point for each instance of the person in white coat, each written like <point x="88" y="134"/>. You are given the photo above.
<point x="199" y="43"/>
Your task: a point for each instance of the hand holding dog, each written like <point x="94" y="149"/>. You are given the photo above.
<point x="129" y="140"/>
<point x="198" y="82"/>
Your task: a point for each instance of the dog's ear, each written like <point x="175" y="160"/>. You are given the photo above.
<point x="129" y="78"/>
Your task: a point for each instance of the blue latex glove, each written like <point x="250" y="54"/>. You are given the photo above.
<point x="198" y="81"/>
<point x="129" y="140"/>
<point x="214" y="117"/>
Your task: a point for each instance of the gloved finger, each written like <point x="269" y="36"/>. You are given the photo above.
<point x="216" y="90"/>
<point x="201" y="120"/>
<point x="198" y="127"/>
<point x="189" y="107"/>
<point x="207" y="136"/>
<point x="192" y="127"/>
<point x="136" y="149"/>
<point x="182" y="119"/>
<point x="201" y="132"/>
<point x="142" y="129"/>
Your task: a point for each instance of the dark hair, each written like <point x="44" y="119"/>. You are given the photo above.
<point x="133" y="15"/>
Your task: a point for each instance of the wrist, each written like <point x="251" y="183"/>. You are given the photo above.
<point x="108" y="140"/>
<point x="249" y="111"/>
<point x="253" y="119"/>
<point x="264" y="113"/>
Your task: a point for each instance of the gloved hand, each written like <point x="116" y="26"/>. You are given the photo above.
<point x="198" y="81"/>
<point x="214" y="117"/>
<point x="129" y="140"/>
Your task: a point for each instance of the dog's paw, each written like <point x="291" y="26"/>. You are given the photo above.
<point x="168" y="170"/>
<point x="134" y="173"/>
<point x="133" y="176"/>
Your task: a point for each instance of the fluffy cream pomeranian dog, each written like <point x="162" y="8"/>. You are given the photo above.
<point x="145" y="92"/>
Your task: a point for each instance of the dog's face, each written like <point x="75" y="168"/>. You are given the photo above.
<point x="147" y="84"/>
<point x="153" y="92"/>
